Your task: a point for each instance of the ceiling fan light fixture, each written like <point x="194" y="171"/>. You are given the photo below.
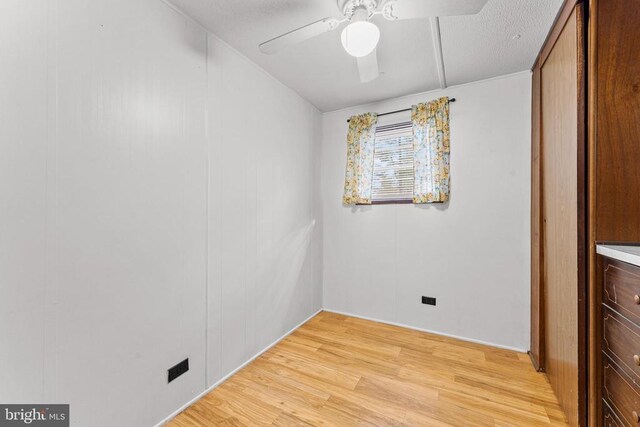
<point x="360" y="38"/>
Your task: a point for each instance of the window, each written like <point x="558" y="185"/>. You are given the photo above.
<point x="393" y="163"/>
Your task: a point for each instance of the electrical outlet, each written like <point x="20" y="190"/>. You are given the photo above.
<point x="429" y="300"/>
<point x="177" y="370"/>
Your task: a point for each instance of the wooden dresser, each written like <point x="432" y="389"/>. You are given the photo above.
<point x="585" y="187"/>
<point x="619" y="271"/>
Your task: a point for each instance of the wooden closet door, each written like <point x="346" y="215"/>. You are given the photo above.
<point x="561" y="213"/>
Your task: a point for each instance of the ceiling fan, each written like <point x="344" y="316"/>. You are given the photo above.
<point x="360" y="37"/>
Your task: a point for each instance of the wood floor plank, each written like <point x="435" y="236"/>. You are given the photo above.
<point x="337" y="370"/>
<point x="316" y="369"/>
<point x="290" y="420"/>
<point x="340" y="411"/>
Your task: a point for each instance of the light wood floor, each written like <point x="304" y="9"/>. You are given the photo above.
<point x="342" y="371"/>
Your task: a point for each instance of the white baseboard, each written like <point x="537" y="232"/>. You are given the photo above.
<point x="226" y="377"/>
<point x="505" y="347"/>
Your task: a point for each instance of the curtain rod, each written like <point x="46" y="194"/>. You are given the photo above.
<point x="400" y="111"/>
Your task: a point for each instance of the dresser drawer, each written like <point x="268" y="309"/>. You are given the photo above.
<point x="620" y="392"/>
<point x="621" y="340"/>
<point x="622" y="288"/>
<point x="609" y="418"/>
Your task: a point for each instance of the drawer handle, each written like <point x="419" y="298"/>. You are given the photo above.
<point x="636" y="359"/>
<point x="635" y="416"/>
<point x="636" y="298"/>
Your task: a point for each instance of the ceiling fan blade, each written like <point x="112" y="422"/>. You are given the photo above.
<point x="299" y="35"/>
<point x="412" y="9"/>
<point x="368" y="67"/>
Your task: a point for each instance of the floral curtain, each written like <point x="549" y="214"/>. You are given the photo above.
<point x="431" y="151"/>
<point x="359" y="173"/>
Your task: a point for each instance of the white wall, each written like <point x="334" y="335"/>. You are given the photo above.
<point x="161" y="200"/>
<point x="157" y="203"/>
<point x="24" y="124"/>
<point x="265" y="270"/>
<point x="472" y="254"/>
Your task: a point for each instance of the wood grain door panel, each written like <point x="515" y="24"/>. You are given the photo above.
<point x="563" y="223"/>
<point x="617" y="205"/>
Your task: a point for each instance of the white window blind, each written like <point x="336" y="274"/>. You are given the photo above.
<point x="393" y="163"/>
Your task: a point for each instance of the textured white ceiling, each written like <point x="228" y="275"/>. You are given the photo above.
<point x="474" y="47"/>
<point x="477" y="47"/>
